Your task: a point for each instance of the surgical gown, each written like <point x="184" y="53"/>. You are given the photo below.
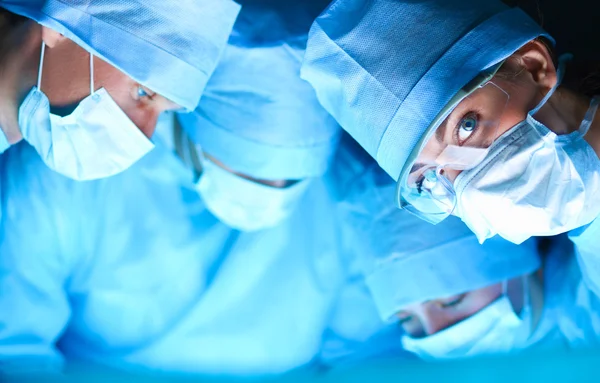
<point x="356" y="332"/>
<point x="571" y="315"/>
<point x="587" y="249"/>
<point x="133" y="272"/>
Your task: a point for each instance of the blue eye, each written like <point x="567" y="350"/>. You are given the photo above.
<point x="468" y="124"/>
<point x="141" y="92"/>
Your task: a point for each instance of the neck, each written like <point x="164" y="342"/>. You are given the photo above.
<point x="18" y="70"/>
<point x="563" y="112"/>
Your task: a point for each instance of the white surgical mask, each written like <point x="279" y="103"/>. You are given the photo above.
<point x="243" y="204"/>
<point x="532" y="182"/>
<point x="496" y="329"/>
<point x="3" y="141"/>
<point x="96" y="140"/>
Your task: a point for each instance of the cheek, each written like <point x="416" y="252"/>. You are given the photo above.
<point x="143" y="117"/>
<point x="120" y="86"/>
<point x="66" y="75"/>
<point x="522" y="99"/>
<point x="512" y="116"/>
<point x="479" y="299"/>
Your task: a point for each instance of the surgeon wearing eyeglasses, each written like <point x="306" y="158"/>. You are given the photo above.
<point x="479" y="128"/>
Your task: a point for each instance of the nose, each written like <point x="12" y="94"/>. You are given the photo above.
<point x="433" y="318"/>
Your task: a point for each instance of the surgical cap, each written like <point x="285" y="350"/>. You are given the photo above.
<point x="171" y="47"/>
<point x="406" y="260"/>
<point x="386" y="68"/>
<point x="258" y="116"/>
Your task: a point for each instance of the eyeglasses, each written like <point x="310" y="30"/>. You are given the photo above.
<point x="457" y="140"/>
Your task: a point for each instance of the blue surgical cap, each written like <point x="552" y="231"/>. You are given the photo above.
<point x="258" y="116"/>
<point x="171" y="47"/>
<point x="406" y="260"/>
<point x="386" y="68"/>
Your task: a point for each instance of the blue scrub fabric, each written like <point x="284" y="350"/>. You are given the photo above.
<point x="133" y="272"/>
<point x="587" y="249"/>
<point x="257" y="116"/>
<point x="356" y="333"/>
<point x="385" y="69"/>
<point x="171" y="47"/>
<point x="405" y="260"/>
<point x="571" y="314"/>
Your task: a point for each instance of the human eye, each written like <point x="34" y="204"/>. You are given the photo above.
<point x="141" y="93"/>
<point x="465" y="128"/>
<point x="451" y="301"/>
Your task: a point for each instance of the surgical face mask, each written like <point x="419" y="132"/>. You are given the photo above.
<point x="96" y="140"/>
<point x="495" y="329"/>
<point x="3" y="142"/>
<point x="532" y="182"/>
<point x="243" y="204"/>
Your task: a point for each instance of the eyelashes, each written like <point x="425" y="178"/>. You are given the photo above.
<point x="466" y="127"/>
<point x="142" y="93"/>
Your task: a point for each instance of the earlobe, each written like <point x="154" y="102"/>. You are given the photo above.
<point x="51" y="37"/>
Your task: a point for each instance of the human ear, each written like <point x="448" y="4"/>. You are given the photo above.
<point x="535" y="58"/>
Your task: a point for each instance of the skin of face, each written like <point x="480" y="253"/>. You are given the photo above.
<point x="427" y="318"/>
<point x="279" y="184"/>
<point x="525" y="78"/>
<point x="18" y="73"/>
<point x="66" y="81"/>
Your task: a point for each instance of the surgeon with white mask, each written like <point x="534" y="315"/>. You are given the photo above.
<point x="451" y="296"/>
<point x="550" y="310"/>
<point x="469" y="118"/>
<point x="84" y="82"/>
<point x="134" y="272"/>
<point x="259" y="135"/>
<point x="454" y="298"/>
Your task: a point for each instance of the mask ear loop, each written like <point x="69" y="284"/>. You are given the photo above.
<point x="560" y="74"/>
<point x="92" y="87"/>
<point x="39" y="81"/>
<point x="589" y="116"/>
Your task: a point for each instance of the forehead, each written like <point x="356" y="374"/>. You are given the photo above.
<point x="485" y="106"/>
<point x="113" y="74"/>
